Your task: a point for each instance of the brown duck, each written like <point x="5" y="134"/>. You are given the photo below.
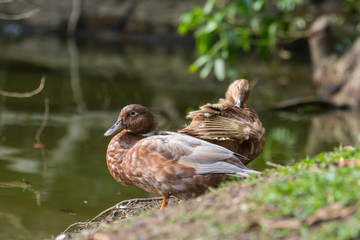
<point x="166" y="163"/>
<point x="230" y="123"/>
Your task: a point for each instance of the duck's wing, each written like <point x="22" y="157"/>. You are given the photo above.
<point x="222" y="109"/>
<point x="222" y="128"/>
<point x="203" y="156"/>
<point x="223" y="122"/>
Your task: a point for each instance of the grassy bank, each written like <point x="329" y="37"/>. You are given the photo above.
<point x="317" y="198"/>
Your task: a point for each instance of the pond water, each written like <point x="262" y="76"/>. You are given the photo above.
<point x="43" y="190"/>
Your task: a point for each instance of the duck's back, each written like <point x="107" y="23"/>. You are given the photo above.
<point x="237" y="129"/>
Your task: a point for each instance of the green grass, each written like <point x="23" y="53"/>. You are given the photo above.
<point x="314" y="183"/>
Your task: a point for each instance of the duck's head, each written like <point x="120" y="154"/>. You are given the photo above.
<point x="238" y="92"/>
<point x="135" y="118"/>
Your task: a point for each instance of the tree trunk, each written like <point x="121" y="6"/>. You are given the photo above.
<point x="337" y="78"/>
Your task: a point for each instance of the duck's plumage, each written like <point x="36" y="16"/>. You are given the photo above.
<point x="166" y="163"/>
<point x="230" y="123"/>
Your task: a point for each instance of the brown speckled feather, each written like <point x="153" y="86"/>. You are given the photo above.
<point x="237" y="128"/>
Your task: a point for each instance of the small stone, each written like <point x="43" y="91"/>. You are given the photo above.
<point x="101" y="236"/>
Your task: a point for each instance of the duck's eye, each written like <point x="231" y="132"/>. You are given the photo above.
<point x="133" y="113"/>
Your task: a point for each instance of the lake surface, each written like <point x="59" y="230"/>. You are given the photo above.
<point x="46" y="187"/>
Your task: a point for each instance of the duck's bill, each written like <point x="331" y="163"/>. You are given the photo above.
<point x="117" y="127"/>
<point x="239" y="102"/>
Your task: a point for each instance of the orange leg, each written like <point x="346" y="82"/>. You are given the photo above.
<point x="164" y="202"/>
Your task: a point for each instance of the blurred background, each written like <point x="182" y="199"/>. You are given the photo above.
<point x="68" y="67"/>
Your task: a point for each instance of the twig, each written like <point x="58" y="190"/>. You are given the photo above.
<point x="125" y="203"/>
<point x="74" y="224"/>
<point x="43" y="124"/>
<point x="20" y="16"/>
<point x="274" y="164"/>
<point x="102" y="213"/>
<point x="26" y="94"/>
<point x="74" y="17"/>
<point x="97" y="219"/>
<point x="74" y="55"/>
<point x="75" y="79"/>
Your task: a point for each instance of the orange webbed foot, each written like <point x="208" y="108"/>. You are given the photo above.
<point x="164" y="202"/>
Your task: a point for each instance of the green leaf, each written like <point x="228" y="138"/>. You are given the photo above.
<point x="203" y="43"/>
<point x="245" y="39"/>
<point x="206" y="70"/>
<point x="225" y="54"/>
<point x="183" y="29"/>
<point x="299" y="22"/>
<point x="187" y="18"/>
<point x="255" y="24"/>
<point x="219" y="69"/>
<point x="272" y="32"/>
<point x="231" y="10"/>
<point x="244" y="8"/>
<point x="190" y="20"/>
<point x="198" y="63"/>
<point x="216" y="48"/>
<point x="258" y="5"/>
<point x="210" y="26"/>
<point x="209" y="5"/>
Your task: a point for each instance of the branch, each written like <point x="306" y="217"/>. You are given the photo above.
<point x="74" y="17"/>
<point x="19" y="16"/>
<point x="26" y="94"/>
<point x="274" y="164"/>
<point x="38" y="143"/>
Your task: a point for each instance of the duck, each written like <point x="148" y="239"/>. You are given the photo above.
<point x="231" y="123"/>
<point x="166" y="163"/>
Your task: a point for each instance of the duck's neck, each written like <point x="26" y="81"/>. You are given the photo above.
<point x="126" y="139"/>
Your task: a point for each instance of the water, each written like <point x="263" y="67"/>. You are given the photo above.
<point x="43" y="190"/>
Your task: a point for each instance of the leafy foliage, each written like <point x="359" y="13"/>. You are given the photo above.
<point x="226" y="28"/>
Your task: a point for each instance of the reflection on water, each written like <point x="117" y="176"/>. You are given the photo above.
<point x="43" y="190"/>
<point x="331" y="129"/>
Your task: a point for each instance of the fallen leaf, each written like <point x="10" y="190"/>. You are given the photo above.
<point x="38" y="145"/>
<point x="290" y="223"/>
<point x="101" y="236"/>
<point x="316" y="170"/>
<point x="349" y="148"/>
<point x="274" y="164"/>
<point x="331" y="212"/>
<point x="349" y="161"/>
